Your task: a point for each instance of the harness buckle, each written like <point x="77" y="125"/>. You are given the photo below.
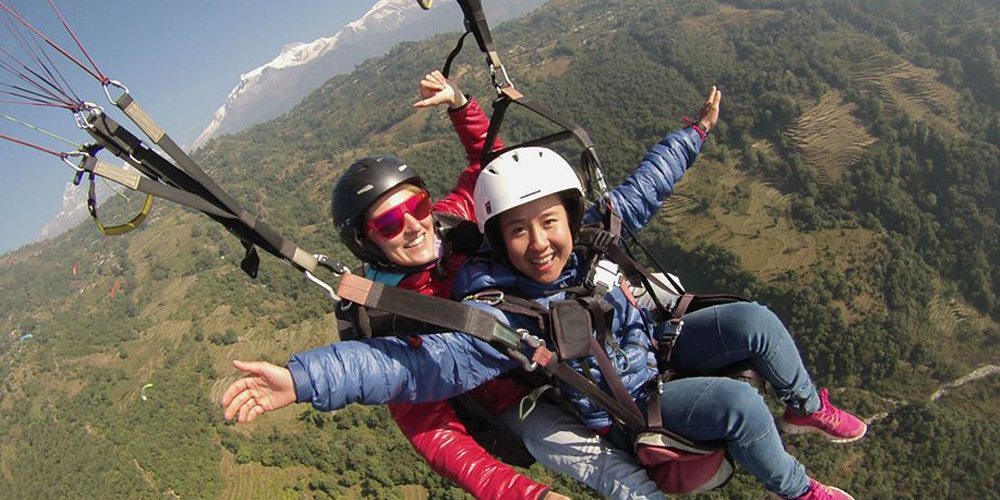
<point x="671" y="330"/>
<point x="604" y="277"/>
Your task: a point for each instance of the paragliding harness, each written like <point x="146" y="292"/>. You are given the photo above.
<point x="676" y="464"/>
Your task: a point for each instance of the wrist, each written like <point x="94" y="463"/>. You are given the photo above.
<point x="701" y="129"/>
<point x="461" y="101"/>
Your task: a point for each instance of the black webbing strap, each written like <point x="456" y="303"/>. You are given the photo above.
<point x="453" y="54"/>
<point x="654" y="419"/>
<point x="563" y="371"/>
<point x="636" y="273"/>
<point x="146" y="185"/>
<point x="203" y="193"/>
<point x="475" y="22"/>
<point x="588" y="158"/>
<point x="701" y="301"/>
<point x="131" y="108"/>
<point x="604" y="363"/>
<point x="449" y="314"/>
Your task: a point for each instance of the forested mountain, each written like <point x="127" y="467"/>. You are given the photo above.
<point x="852" y="185"/>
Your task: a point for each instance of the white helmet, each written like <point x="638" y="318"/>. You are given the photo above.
<point x="520" y="176"/>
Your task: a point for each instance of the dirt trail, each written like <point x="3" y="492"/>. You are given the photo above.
<point x="977" y="374"/>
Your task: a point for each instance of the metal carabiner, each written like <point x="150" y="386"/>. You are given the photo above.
<point x="492" y="297"/>
<point x="114" y="83"/>
<point x="82" y="121"/>
<point x="322" y="284"/>
<point x="73" y="154"/>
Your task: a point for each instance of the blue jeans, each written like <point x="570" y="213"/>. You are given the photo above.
<point x="708" y="409"/>
<point x="560" y="442"/>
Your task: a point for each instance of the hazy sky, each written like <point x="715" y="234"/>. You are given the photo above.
<point x="179" y="59"/>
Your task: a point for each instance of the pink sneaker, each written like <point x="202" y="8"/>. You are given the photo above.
<point x="819" y="491"/>
<point x="832" y="423"/>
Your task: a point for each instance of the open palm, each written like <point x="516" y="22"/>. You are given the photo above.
<point x="267" y="387"/>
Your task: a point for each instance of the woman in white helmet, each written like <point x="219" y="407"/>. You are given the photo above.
<point x="529" y="205"/>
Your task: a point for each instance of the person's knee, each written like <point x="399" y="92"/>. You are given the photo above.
<point x="746" y="411"/>
<point x="754" y="324"/>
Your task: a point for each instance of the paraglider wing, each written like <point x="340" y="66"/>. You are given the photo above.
<point x="142" y="394"/>
<point x="26" y="336"/>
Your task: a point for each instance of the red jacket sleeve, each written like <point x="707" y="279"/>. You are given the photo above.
<point x="471" y="124"/>
<point x="436" y="433"/>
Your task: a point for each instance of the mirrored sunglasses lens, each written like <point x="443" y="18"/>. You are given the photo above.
<point x="390" y="223"/>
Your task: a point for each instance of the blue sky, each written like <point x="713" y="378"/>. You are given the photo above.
<point x="179" y="58"/>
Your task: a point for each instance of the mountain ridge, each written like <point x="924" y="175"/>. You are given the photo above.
<point x="848" y="261"/>
<point x="301" y="67"/>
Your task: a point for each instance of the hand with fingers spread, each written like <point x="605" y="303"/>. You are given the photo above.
<point x="710" y="110"/>
<point x="267" y="387"/>
<point x="435" y="89"/>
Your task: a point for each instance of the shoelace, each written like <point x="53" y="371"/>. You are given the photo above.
<point x="828" y="414"/>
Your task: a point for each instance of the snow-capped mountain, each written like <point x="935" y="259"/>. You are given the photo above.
<point x="74" y="210"/>
<point x="300" y="68"/>
<point x="74" y="206"/>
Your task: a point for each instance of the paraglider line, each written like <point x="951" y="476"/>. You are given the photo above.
<point x="100" y="77"/>
<point x="30" y="145"/>
<point x="103" y="78"/>
<point x="46" y="132"/>
<point x="34" y="49"/>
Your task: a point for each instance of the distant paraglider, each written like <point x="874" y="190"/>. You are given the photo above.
<point x="76" y="268"/>
<point x="142" y="393"/>
<point x="114" y="289"/>
<point x="26" y="336"/>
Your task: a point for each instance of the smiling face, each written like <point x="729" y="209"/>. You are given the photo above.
<point x="415" y="244"/>
<point x="538" y="238"/>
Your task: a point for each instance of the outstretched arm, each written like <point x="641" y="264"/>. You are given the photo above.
<point x="642" y="194"/>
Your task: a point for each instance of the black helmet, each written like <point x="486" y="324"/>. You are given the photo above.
<point x="356" y="190"/>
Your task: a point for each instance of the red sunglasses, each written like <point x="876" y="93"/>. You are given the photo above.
<point x="392" y="221"/>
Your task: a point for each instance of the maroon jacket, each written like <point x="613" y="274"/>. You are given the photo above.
<point x="433" y="428"/>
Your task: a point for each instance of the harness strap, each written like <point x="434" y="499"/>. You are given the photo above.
<point x="146" y="185"/>
<point x="475" y="23"/>
<point x="454" y="53"/>
<point x="452" y="315"/>
<point x="563" y="371"/>
<point x="121" y="228"/>
<point x="190" y="186"/>
<point x="604" y="363"/>
<point x="588" y="158"/>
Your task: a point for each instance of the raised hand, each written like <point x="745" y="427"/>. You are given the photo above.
<point x="266" y="387"/>
<point x="710" y="110"/>
<point x="435" y="89"/>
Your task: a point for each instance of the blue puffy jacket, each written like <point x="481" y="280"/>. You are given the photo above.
<point x="385" y="369"/>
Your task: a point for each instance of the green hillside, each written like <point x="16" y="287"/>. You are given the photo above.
<point x="853" y="185"/>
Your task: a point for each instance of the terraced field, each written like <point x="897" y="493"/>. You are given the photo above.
<point x="829" y="137"/>
<point x="254" y="480"/>
<point x="905" y="87"/>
